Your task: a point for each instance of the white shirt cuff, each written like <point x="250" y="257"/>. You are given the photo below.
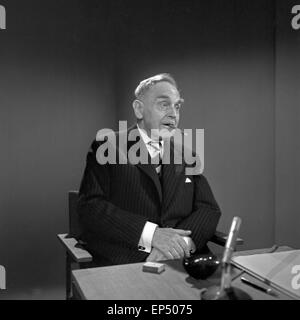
<point x="145" y="243"/>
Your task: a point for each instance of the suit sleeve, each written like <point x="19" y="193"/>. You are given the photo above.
<point x="97" y="214"/>
<point x="205" y="215"/>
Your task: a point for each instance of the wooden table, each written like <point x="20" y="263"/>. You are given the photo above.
<point x="129" y="282"/>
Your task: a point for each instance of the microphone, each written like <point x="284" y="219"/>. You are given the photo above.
<point x="231" y="240"/>
<point x="226" y="291"/>
<point x="229" y="249"/>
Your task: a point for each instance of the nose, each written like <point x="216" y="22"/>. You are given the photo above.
<point x="172" y="112"/>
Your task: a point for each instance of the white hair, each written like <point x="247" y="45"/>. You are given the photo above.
<point x="146" y="84"/>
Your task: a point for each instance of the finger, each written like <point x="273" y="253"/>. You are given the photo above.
<point x="159" y="256"/>
<point x="179" y="250"/>
<point x="183" y="232"/>
<point x="184" y="247"/>
<point x="165" y="254"/>
<point x="166" y="251"/>
<point x="175" y="254"/>
<point x="169" y="255"/>
<point x="162" y="258"/>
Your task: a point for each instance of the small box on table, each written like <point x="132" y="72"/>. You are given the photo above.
<point x="153" y="267"/>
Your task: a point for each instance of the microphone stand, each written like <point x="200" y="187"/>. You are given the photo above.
<point x="225" y="291"/>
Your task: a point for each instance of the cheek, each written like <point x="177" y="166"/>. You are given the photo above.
<point x="147" y="117"/>
<point x="152" y="120"/>
<point x="156" y="118"/>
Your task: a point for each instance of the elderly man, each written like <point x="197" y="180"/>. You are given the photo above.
<point x="132" y="212"/>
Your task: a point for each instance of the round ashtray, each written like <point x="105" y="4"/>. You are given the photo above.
<point x="201" y="266"/>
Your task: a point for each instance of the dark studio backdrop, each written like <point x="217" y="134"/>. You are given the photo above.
<point x="68" y="68"/>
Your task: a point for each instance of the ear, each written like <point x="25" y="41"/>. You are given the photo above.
<point x="138" y="109"/>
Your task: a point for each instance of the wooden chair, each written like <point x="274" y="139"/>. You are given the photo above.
<point x="76" y="255"/>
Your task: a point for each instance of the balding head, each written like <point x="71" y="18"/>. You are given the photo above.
<point x="146" y="84"/>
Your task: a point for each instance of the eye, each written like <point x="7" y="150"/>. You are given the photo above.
<point x="177" y="106"/>
<point x="164" y="105"/>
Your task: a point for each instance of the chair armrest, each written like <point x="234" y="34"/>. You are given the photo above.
<point x="78" y="253"/>
<point x="220" y="238"/>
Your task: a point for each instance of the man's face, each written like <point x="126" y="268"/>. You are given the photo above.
<point x="161" y="106"/>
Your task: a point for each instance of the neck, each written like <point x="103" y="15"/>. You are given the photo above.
<point x="142" y="126"/>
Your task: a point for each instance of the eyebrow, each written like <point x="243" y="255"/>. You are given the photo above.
<point x="163" y="97"/>
<point x="181" y="100"/>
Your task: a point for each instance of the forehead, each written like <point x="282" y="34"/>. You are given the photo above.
<point x="163" y="89"/>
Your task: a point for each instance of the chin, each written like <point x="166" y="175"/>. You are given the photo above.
<point x="166" y="133"/>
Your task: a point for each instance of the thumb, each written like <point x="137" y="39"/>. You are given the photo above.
<point x="183" y="232"/>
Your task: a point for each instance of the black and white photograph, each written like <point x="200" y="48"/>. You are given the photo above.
<point x="150" y="153"/>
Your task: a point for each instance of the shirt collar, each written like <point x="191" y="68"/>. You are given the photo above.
<point x="144" y="135"/>
<point x="146" y="138"/>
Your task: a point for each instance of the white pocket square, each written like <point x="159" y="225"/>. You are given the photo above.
<point x="188" y="180"/>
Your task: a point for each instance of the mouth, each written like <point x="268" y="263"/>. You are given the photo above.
<point x="169" y="125"/>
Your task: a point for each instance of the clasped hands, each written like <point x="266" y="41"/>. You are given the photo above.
<point x="169" y="244"/>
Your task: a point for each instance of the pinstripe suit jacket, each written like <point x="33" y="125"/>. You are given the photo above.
<point x="116" y="200"/>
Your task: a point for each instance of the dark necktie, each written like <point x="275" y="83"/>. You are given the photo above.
<point x="157" y="159"/>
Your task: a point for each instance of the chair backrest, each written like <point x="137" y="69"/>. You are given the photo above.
<point x="74" y="225"/>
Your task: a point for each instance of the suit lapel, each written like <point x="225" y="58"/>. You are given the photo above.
<point x="148" y="169"/>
